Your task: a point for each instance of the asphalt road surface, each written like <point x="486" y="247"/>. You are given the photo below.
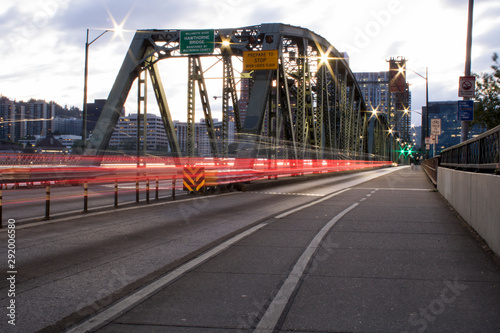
<point x="29" y="204"/>
<point x="378" y="251"/>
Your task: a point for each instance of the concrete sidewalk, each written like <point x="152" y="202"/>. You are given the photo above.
<point x="396" y="259"/>
<point x="401" y="262"/>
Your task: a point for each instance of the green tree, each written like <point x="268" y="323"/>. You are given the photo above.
<point x="487" y="106"/>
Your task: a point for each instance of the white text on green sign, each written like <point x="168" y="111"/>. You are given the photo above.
<point x="197" y="41"/>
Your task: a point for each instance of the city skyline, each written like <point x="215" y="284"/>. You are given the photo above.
<point x="43" y="47"/>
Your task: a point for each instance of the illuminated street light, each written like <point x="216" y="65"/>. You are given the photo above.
<point x="118" y="30"/>
<point x="426" y="120"/>
<point x="85" y="84"/>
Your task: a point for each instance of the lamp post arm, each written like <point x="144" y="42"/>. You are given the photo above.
<point x="96" y="37"/>
<point x="423" y="77"/>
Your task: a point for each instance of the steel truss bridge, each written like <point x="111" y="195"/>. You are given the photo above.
<point x="310" y="107"/>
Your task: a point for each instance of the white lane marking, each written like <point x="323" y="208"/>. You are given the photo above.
<point x="288" y="193"/>
<point x="393" y="189"/>
<point x="345" y="186"/>
<point x="280" y="216"/>
<point x="273" y="313"/>
<point x="139" y="296"/>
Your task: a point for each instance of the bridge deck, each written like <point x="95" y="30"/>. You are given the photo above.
<point x="393" y="258"/>
<point x="378" y="251"/>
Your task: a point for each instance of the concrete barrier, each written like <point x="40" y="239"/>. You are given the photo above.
<point x="476" y="197"/>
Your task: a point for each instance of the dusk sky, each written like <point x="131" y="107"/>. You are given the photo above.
<point x="43" y="41"/>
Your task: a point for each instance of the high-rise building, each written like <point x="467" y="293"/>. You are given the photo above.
<point x="6" y="120"/>
<point x="244" y="98"/>
<point x="13" y="125"/>
<point x="388" y="93"/>
<point x="451" y="127"/>
<point x="399" y="115"/>
<point x="375" y="89"/>
<point x="69" y="126"/>
<point x="417" y="137"/>
<point x="94" y="111"/>
<point x="39" y="116"/>
<point x="20" y="119"/>
<point x="125" y="134"/>
<point x="202" y="140"/>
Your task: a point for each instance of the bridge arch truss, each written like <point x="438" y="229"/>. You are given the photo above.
<point x="309" y="107"/>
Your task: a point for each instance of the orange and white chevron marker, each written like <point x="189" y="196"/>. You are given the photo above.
<point x="193" y="179"/>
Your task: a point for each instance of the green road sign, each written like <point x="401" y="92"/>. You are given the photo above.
<point x="197" y="41"/>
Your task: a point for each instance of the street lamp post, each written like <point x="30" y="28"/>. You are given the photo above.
<point x="85" y="83"/>
<point x="465" y="124"/>
<point x="426" y="116"/>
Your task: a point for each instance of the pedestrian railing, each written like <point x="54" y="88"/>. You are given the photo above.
<point x="478" y="154"/>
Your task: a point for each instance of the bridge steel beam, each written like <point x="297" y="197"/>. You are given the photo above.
<point x="166" y="116"/>
<point x="309" y="105"/>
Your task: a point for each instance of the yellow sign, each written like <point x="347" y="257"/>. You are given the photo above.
<point x="260" y="60"/>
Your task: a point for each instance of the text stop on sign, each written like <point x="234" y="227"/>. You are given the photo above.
<point x="260" y="60"/>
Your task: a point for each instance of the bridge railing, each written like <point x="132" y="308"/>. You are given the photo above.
<point x="430" y="167"/>
<point x="478" y="154"/>
<point x="199" y="175"/>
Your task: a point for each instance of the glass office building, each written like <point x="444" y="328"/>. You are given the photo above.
<point x="450" y="125"/>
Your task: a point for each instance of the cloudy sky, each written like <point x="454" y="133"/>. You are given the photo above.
<point x="42" y="41"/>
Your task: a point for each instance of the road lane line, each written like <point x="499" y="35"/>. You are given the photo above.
<point x="274" y="311"/>
<point x="280" y="216"/>
<point x="361" y="178"/>
<point x="394" y="189"/>
<point x="139" y="296"/>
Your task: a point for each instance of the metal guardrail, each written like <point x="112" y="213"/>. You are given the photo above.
<point x="21" y="159"/>
<point x="219" y="174"/>
<point x="430" y="167"/>
<point x="478" y="154"/>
